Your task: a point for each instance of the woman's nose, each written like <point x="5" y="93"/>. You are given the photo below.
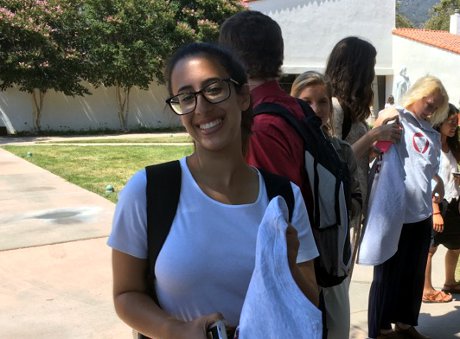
<point x="202" y="105"/>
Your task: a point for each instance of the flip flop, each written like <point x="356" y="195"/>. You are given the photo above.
<point x="452" y="289"/>
<point x="437" y="297"/>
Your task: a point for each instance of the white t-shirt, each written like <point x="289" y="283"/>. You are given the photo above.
<point x="449" y="165"/>
<point x="419" y="149"/>
<point x="207" y="260"/>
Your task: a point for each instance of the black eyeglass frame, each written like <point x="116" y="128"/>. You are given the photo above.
<point x="228" y="81"/>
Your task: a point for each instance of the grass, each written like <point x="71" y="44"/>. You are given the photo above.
<point x="146" y="140"/>
<point x="95" y="167"/>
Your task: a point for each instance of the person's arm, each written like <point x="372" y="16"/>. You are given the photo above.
<point x="438" y="190"/>
<point x="303" y="273"/>
<point x="438" y="221"/>
<point x="137" y="309"/>
<point x="347" y="154"/>
<point x="389" y="132"/>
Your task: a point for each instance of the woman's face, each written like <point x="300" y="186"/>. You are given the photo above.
<point x="316" y="96"/>
<point x="426" y="106"/>
<point x="212" y="126"/>
<point x="449" y="126"/>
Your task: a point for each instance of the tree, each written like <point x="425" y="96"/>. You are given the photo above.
<point x="129" y="41"/>
<point x="38" y="50"/>
<point x="440" y="15"/>
<point x="204" y="17"/>
<point x="402" y="21"/>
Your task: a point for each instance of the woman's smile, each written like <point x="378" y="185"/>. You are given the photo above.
<point x="211" y="126"/>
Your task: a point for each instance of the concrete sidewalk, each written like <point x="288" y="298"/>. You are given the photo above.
<point x="56" y="274"/>
<point x="55" y="266"/>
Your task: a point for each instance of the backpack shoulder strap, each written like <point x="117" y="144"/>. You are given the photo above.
<point x="278" y="185"/>
<point x="162" y="191"/>
<point x="273" y="108"/>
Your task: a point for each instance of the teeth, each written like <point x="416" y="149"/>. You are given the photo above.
<point x="210" y="124"/>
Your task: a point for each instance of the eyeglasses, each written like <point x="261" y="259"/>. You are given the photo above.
<point x="215" y="92"/>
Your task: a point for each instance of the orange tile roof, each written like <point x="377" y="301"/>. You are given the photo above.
<point x="439" y="39"/>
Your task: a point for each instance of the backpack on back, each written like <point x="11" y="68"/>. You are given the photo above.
<point x="329" y="180"/>
<point x="163" y="194"/>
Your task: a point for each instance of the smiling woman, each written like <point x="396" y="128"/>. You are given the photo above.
<point x="222" y="201"/>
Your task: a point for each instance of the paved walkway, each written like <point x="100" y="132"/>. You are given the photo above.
<point x="55" y="266"/>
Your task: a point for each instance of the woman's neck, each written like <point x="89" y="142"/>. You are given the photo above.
<point x="225" y="178"/>
<point x="215" y="165"/>
<point x="444" y="144"/>
<point x="253" y="83"/>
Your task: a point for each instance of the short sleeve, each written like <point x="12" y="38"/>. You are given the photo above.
<point x="300" y="220"/>
<point x="129" y="226"/>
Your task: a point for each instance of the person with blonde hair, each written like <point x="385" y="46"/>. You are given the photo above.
<point x="397" y="287"/>
<point x="313" y="88"/>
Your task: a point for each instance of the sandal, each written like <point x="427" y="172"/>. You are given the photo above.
<point x="437" y="297"/>
<point x="453" y="289"/>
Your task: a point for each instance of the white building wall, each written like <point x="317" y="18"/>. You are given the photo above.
<point x="421" y="59"/>
<point x="91" y="112"/>
<point x="311" y="28"/>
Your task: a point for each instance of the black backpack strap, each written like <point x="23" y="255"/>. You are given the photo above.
<point x="278" y="185"/>
<point x="273" y="108"/>
<point x="163" y="191"/>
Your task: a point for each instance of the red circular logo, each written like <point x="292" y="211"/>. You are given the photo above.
<point x="420" y="142"/>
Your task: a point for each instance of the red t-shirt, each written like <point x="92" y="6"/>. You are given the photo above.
<point x="274" y="145"/>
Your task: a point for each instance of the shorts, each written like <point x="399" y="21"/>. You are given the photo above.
<point x="450" y="237"/>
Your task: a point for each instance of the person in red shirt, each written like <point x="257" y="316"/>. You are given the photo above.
<point x="274" y="145"/>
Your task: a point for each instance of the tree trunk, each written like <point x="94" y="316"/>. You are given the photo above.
<point x="123" y="105"/>
<point x="37" y="104"/>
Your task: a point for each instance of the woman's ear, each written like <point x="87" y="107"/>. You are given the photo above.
<point x="244" y="97"/>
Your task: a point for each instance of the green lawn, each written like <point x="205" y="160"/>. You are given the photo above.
<point x="95" y="167"/>
<point x="146" y="140"/>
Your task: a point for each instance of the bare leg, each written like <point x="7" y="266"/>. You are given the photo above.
<point x="451" y="264"/>
<point x="428" y="285"/>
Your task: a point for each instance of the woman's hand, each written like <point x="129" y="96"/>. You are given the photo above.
<point x="304" y="273"/>
<point x="195" y="329"/>
<point x="293" y="244"/>
<point x="438" y="222"/>
<point x="389" y="132"/>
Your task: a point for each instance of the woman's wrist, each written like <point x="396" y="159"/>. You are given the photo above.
<point x="373" y="135"/>
<point x="170" y="327"/>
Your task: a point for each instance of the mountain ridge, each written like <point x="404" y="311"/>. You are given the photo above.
<point x="417" y="11"/>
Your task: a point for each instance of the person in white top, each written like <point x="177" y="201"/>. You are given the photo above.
<point x="205" y="265"/>
<point x="446" y="216"/>
<point x="397" y="287"/>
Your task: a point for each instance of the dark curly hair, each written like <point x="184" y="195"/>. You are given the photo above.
<point x="350" y="69"/>
<point x="257" y="41"/>
<point x="452" y="142"/>
<point x="224" y="58"/>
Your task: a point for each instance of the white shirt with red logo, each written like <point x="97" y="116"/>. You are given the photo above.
<point x="420" y="151"/>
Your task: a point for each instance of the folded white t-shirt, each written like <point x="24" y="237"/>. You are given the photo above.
<point x="274" y="306"/>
